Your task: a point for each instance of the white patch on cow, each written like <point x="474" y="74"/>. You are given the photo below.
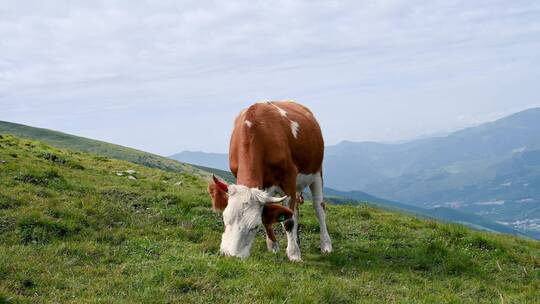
<point x="295" y="127"/>
<point x="248" y="123"/>
<point x="242" y="217"/>
<point x="281" y="111"/>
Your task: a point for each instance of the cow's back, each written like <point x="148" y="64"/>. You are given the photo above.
<point x="270" y="137"/>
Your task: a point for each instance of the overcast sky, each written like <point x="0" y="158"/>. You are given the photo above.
<point x="167" y="76"/>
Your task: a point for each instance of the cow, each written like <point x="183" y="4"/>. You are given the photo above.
<point x="275" y="148"/>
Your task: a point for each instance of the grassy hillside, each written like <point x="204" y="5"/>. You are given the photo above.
<point x="63" y="140"/>
<point x="74" y="227"/>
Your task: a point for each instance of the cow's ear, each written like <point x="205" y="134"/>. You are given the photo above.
<point x="221" y="185"/>
<point x="273" y="213"/>
<point x="219" y="197"/>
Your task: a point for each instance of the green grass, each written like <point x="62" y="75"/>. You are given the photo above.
<point x="73" y="231"/>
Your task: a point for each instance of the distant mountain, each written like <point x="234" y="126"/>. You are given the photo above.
<point x="212" y="160"/>
<point x="63" y="140"/>
<point x="468" y="153"/>
<point x="492" y="170"/>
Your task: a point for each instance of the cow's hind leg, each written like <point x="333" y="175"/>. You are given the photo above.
<point x="316" y="189"/>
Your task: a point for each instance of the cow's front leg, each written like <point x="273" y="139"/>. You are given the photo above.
<point x="271" y="241"/>
<point x="291" y="229"/>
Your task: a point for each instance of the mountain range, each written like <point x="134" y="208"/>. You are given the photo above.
<point x="492" y="170"/>
<point x="212" y="160"/>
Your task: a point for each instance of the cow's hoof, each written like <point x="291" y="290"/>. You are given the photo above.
<point x="326" y="248"/>
<point x="296" y="259"/>
<point x="294" y="255"/>
<point x="272" y="246"/>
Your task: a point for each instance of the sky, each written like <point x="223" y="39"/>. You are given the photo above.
<point x="165" y="76"/>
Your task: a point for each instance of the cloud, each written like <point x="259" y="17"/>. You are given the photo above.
<point x="360" y="64"/>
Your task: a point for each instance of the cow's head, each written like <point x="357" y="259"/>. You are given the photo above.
<point x="244" y="210"/>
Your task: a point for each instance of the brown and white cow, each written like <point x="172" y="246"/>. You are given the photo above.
<point x="276" y="147"/>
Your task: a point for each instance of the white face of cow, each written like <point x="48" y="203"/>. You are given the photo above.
<point x="242" y="217"/>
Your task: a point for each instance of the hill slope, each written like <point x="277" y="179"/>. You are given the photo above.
<point x="73" y="230"/>
<point x="63" y="140"/>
